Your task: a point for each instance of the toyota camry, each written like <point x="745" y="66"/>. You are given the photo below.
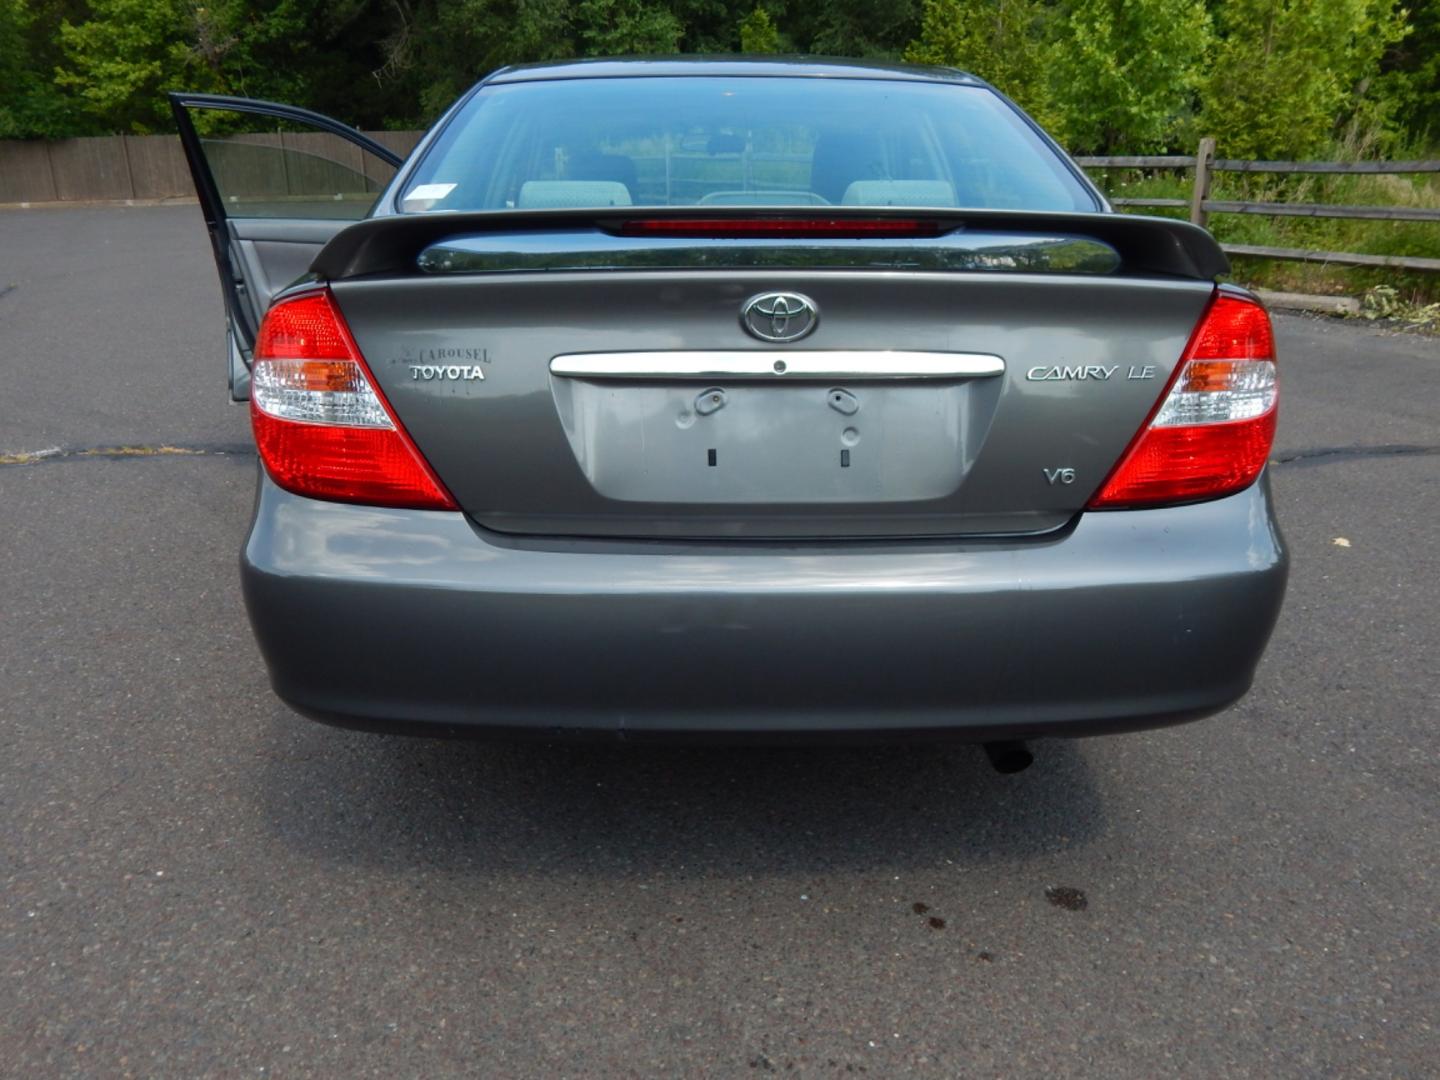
<point x="735" y="399"/>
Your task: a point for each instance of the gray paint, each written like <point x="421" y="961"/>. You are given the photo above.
<point x="509" y="449"/>
<point x="661" y="443"/>
<point x="971" y="595"/>
<point x="405" y="619"/>
<point x="731" y="67"/>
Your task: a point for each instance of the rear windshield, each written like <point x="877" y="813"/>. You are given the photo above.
<point x="748" y="141"/>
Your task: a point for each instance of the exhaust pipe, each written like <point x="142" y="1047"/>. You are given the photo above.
<point x="1009" y="756"/>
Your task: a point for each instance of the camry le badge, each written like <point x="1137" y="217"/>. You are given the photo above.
<point x="779" y="316"/>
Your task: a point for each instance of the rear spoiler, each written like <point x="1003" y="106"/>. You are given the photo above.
<point x="1146" y="245"/>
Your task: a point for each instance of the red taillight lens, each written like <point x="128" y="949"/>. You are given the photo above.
<point x="321" y="425"/>
<point x="779" y="227"/>
<point x="1212" y="431"/>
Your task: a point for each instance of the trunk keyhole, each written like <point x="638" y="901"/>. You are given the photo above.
<point x="710" y="400"/>
<point x="842" y="401"/>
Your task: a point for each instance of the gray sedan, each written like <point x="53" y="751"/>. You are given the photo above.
<point x="735" y="399"/>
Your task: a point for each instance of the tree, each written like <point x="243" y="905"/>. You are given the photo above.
<point x="118" y="57"/>
<point x="31" y="104"/>
<point x="1288" y="73"/>
<point x="758" y="33"/>
<point x="861" y="28"/>
<point x="1125" y="72"/>
<point x="450" y="45"/>
<point x="1005" y="42"/>
<point x="1284" y="76"/>
<point x="626" y="27"/>
<point x="120" y="61"/>
<point x="713" y="26"/>
<point x="323" y="54"/>
<point x="1411" y="79"/>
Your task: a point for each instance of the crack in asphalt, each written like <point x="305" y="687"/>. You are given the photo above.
<point x="1312" y="456"/>
<point x="121" y="453"/>
<point x="1323" y="455"/>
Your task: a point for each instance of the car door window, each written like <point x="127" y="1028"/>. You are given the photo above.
<point x="271" y="168"/>
<point x="275" y="184"/>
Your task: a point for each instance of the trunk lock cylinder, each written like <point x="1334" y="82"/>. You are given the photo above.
<point x="843" y="402"/>
<point x="710" y="401"/>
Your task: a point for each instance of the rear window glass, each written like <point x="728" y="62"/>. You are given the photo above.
<point x="750" y="141"/>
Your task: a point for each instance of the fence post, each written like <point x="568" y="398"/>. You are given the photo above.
<point x="129" y="169"/>
<point x="1201" y="191"/>
<point x="50" y="164"/>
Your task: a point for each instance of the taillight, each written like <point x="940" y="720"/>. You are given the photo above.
<point x="1212" y="432"/>
<point x="321" y="426"/>
<point x="780" y="228"/>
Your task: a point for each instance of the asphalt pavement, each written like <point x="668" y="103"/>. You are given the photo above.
<point x="194" y="881"/>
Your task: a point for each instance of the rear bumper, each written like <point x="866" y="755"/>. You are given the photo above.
<point x="417" y="621"/>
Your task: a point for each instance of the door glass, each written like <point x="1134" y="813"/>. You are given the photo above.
<point x="270" y="168"/>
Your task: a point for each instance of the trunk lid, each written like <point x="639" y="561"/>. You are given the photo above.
<point x="889" y="419"/>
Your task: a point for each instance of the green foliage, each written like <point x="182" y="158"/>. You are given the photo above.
<point x="862" y="28"/>
<point x="1411" y="79"/>
<point x="31" y="104"/>
<point x="1288" y="73"/>
<point x="1385" y="302"/>
<point x="1006" y="42"/>
<point x="118" y="63"/>
<point x="116" y="58"/>
<point x="1125" y="72"/>
<point x="1269" y="78"/>
<point x="448" y="46"/>
<point x="1100" y="74"/>
<point x="758" y="33"/>
<point x="621" y="27"/>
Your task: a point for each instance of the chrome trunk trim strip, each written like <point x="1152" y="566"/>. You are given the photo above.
<point x="778" y="364"/>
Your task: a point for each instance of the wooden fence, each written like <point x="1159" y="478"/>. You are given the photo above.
<point x="1205" y="165"/>
<point x="115" y="167"/>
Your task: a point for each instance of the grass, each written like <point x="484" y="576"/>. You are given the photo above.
<point x="1412" y="238"/>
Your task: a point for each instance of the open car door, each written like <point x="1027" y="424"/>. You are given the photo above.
<point x="275" y="183"/>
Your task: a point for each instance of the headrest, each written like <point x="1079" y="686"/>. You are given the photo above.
<point x="899" y="193"/>
<point x="571" y="194"/>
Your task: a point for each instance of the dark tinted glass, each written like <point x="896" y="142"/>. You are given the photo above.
<point x="756" y="141"/>
<point x="266" y="167"/>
